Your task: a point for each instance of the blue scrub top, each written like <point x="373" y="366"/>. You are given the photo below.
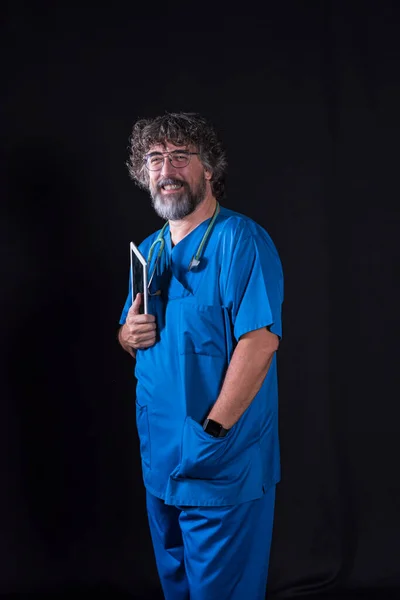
<point x="201" y="314"/>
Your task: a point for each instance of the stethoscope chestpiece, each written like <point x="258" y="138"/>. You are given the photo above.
<point x="193" y="263"/>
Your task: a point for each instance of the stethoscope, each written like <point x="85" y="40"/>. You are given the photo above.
<point x="196" y="258"/>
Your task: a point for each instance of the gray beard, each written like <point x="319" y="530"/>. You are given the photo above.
<point x="180" y="204"/>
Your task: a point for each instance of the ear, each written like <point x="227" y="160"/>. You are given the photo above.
<point x="208" y="174"/>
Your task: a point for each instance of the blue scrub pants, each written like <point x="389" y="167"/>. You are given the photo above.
<point x="212" y="552"/>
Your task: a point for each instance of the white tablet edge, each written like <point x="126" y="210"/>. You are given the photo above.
<point x="135" y="249"/>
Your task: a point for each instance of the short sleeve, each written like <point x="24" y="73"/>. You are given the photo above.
<point x="128" y="303"/>
<point x="253" y="285"/>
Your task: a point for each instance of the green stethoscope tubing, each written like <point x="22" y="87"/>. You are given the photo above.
<point x="196" y="258"/>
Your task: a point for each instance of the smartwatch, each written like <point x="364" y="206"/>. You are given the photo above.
<point x="213" y="428"/>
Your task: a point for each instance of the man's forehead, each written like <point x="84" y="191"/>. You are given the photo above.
<point x="169" y="146"/>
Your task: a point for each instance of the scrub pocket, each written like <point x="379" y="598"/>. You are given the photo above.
<point x="215" y="471"/>
<point x="201" y="329"/>
<point x="142" y="423"/>
<point x="206" y="457"/>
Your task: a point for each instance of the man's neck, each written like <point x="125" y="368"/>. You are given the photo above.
<point x="180" y="229"/>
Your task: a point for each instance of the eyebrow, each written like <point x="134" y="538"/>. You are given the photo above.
<point x="157" y="152"/>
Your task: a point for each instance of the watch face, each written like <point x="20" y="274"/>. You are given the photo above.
<point x="213" y="428"/>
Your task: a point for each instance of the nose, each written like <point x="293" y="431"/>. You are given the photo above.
<point x="167" y="168"/>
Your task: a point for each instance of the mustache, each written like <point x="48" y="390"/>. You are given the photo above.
<point x="169" y="181"/>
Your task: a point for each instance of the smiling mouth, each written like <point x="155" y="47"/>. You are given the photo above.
<point x="168" y="184"/>
<point x="171" y="187"/>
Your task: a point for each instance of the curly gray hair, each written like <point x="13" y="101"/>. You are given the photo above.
<point x="181" y="129"/>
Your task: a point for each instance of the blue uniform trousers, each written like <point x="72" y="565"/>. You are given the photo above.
<point x="212" y="552"/>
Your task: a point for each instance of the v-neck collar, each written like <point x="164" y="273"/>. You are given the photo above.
<point x="185" y="240"/>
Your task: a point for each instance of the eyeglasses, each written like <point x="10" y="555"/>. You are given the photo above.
<point x="178" y="159"/>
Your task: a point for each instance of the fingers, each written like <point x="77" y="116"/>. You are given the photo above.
<point x="141" y="335"/>
<point x="143" y="330"/>
<point x="134" y="316"/>
<point x="140" y="329"/>
<point x="138" y="325"/>
<point x="140" y="319"/>
<point x="144" y="340"/>
<point x="145" y="343"/>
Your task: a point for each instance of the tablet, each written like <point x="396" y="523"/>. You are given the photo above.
<point x="139" y="277"/>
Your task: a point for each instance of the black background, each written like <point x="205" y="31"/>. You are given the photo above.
<point x="306" y="97"/>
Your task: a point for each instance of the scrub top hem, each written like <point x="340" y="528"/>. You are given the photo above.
<point x="214" y="500"/>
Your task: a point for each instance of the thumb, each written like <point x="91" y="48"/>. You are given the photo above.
<point x="135" y="308"/>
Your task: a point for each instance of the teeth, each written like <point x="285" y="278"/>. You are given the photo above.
<point x="172" y="187"/>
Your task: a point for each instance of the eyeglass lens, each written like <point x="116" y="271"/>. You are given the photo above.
<point x="155" y="161"/>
